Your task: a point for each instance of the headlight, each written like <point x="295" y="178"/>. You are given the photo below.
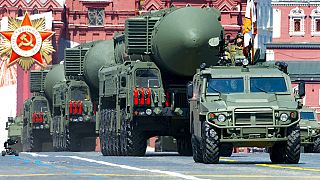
<point x="284" y="117"/>
<point x="313" y="131"/>
<point x="149" y="112"/>
<point x="80" y="118"/>
<point x="245" y="62"/>
<point x="221" y="118"/>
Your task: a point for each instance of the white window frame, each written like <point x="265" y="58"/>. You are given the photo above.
<point x="296" y="13"/>
<point x="315" y="15"/>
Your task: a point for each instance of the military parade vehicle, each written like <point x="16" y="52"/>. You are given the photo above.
<point x="310" y="130"/>
<point x="244" y="106"/>
<point x="14" y="128"/>
<point x="143" y="75"/>
<point x="73" y="122"/>
<point x="36" y="116"/>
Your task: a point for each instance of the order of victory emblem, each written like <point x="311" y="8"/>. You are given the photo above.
<point x="27" y="42"/>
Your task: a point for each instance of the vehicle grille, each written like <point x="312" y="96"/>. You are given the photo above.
<point x="253" y="116"/>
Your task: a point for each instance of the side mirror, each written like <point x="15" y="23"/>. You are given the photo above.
<point x="10" y="119"/>
<point x="7" y="125"/>
<point x="302" y="87"/>
<point x="190" y="90"/>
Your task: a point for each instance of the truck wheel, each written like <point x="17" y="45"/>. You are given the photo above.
<point x="36" y="142"/>
<point x="123" y="137"/>
<point x="26" y="147"/>
<point x="54" y="135"/>
<point x="210" y="144"/>
<point x="73" y="141"/>
<point x="316" y="146"/>
<point x="226" y="149"/>
<point x="184" y="146"/>
<point x="116" y="137"/>
<point x="137" y="143"/>
<point x="3" y="153"/>
<point x="102" y="133"/>
<point x="277" y="153"/>
<point x="196" y="150"/>
<point x="292" y="147"/>
<point x="108" y="133"/>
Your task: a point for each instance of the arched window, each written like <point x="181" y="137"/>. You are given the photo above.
<point x="296" y="27"/>
<point x="315" y="22"/>
<point x="35" y="11"/>
<point x="20" y="12"/>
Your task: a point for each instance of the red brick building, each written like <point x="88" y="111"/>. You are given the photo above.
<point x="78" y="21"/>
<point x="296" y="35"/>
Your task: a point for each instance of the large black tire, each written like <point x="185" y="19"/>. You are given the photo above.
<point x="115" y="136"/>
<point x="277" y="153"/>
<point x="292" y="147"/>
<point x="316" y="146"/>
<point x="31" y="142"/>
<point x="102" y="133"/>
<point x="196" y="150"/>
<point x="108" y="133"/>
<point x="73" y="141"/>
<point x="137" y="142"/>
<point x="123" y="134"/>
<point x="55" y="138"/>
<point x="210" y="144"/>
<point x="184" y="146"/>
<point x="226" y="149"/>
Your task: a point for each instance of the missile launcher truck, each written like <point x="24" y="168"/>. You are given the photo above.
<point x="14" y="128"/>
<point x="310" y="130"/>
<point x="160" y="52"/>
<point x="141" y="76"/>
<point x="73" y="122"/>
<point x="36" y="135"/>
<point x="244" y="106"/>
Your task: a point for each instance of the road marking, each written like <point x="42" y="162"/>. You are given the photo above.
<point x="174" y="174"/>
<point x="34" y="154"/>
<point x="161" y="175"/>
<point x="277" y="166"/>
<point x="228" y="160"/>
<point x="288" y="167"/>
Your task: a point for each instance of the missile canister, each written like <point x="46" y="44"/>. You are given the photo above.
<point x="185" y="38"/>
<point x="101" y="53"/>
<point x="55" y="75"/>
<point x="177" y="40"/>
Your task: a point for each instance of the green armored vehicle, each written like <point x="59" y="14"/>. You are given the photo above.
<point x="310" y="130"/>
<point x="73" y="119"/>
<point x="244" y="106"/>
<point x="14" y="127"/>
<point x="36" y="116"/>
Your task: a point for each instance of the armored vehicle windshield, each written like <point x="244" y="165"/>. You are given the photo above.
<point x="40" y="106"/>
<point x="147" y="78"/>
<point x="79" y="93"/>
<point x="225" y="85"/>
<point x="268" y="84"/>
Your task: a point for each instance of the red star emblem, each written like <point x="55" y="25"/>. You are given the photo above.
<point x="26" y="41"/>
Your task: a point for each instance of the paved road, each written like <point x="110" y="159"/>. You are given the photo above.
<point x="92" y="165"/>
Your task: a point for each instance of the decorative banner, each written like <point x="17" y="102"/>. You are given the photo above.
<point x="26" y="42"/>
